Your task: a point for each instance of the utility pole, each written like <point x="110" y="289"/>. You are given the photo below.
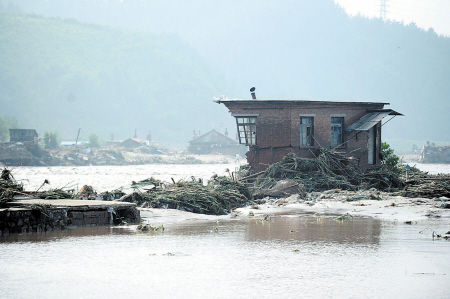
<point x="78" y="135"/>
<point x="383" y="5"/>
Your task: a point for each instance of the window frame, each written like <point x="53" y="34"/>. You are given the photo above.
<point x="246" y="129"/>
<point x="337" y="125"/>
<point x="311" y="141"/>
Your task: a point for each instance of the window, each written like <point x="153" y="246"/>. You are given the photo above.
<point x="306" y="130"/>
<point x="246" y="126"/>
<point x="337" y="124"/>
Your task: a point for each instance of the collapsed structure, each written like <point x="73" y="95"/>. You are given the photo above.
<point x="272" y="128"/>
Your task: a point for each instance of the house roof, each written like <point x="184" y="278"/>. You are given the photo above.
<point x="296" y="101"/>
<point x="370" y="119"/>
<point x="213" y="137"/>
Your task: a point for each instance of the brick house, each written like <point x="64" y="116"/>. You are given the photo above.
<point x="273" y="128"/>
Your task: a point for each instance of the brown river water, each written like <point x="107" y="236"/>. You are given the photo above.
<point x="295" y="255"/>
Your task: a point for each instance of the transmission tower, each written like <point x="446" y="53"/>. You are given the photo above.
<point x="383" y="5"/>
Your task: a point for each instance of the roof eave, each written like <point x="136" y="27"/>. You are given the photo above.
<point x="251" y="101"/>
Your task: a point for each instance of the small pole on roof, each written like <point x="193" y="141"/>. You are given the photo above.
<point x="252" y="91"/>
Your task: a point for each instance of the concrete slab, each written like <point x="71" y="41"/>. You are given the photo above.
<point x="72" y="203"/>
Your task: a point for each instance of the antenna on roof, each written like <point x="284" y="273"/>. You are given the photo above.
<point x="252" y="91"/>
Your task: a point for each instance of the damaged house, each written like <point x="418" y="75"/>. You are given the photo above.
<point x="272" y="128"/>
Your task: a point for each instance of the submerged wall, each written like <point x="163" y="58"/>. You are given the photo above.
<point x="41" y="218"/>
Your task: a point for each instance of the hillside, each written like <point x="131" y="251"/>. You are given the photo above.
<point x="291" y="49"/>
<point x="61" y="75"/>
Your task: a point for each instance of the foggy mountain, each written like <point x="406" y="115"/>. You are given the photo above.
<point x="61" y="75"/>
<point x="193" y="50"/>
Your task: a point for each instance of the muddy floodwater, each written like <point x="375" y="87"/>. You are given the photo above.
<point x="290" y="255"/>
<point x="107" y="178"/>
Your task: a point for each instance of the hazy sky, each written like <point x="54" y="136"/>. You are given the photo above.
<point x="425" y="13"/>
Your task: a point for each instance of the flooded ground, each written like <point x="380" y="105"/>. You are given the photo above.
<point x="292" y="254"/>
<point x="433" y="168"/>
<point x="288" y="256"/>
<point x="107" y="178"/>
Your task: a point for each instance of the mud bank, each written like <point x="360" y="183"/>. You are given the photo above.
<point x="375" y="204"/>
<point x="348" y="204"/>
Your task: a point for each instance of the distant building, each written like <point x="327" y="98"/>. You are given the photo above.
<point x="215" y="142"/>
<point x="273" y="128"/>
<point x="23" y="135"/>
<point x="133" y="143"/>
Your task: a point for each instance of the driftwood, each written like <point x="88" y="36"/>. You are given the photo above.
<point x="218" y="197"/>
<point x="251" y="176"/>
<point x="329" y="170"/>
<point x="332" y="170"/>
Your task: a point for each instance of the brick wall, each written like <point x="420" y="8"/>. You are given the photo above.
<point x="278" y="129"/>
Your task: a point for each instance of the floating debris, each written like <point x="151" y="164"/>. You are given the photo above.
<point x="149" y="228"/>
<point x="344" y="217"/>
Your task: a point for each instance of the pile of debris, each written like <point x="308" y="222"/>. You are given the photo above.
<point x="8" y="187"/>
<point x="422" y="184"/>
<point x="331" y="170"/>
<point x="218" y="197"/>
<point x="24" y="154"/>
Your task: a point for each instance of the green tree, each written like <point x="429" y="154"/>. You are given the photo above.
<point x="6" y="123"/>
<point x="93" y="140"/>
<point x="51" y="140"/>
<point x="389" y="158"/>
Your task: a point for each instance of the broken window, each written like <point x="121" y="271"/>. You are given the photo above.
<point x="337" y="124"/>
<point x="306" y="130"/>
<point x="246" y="126"/>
